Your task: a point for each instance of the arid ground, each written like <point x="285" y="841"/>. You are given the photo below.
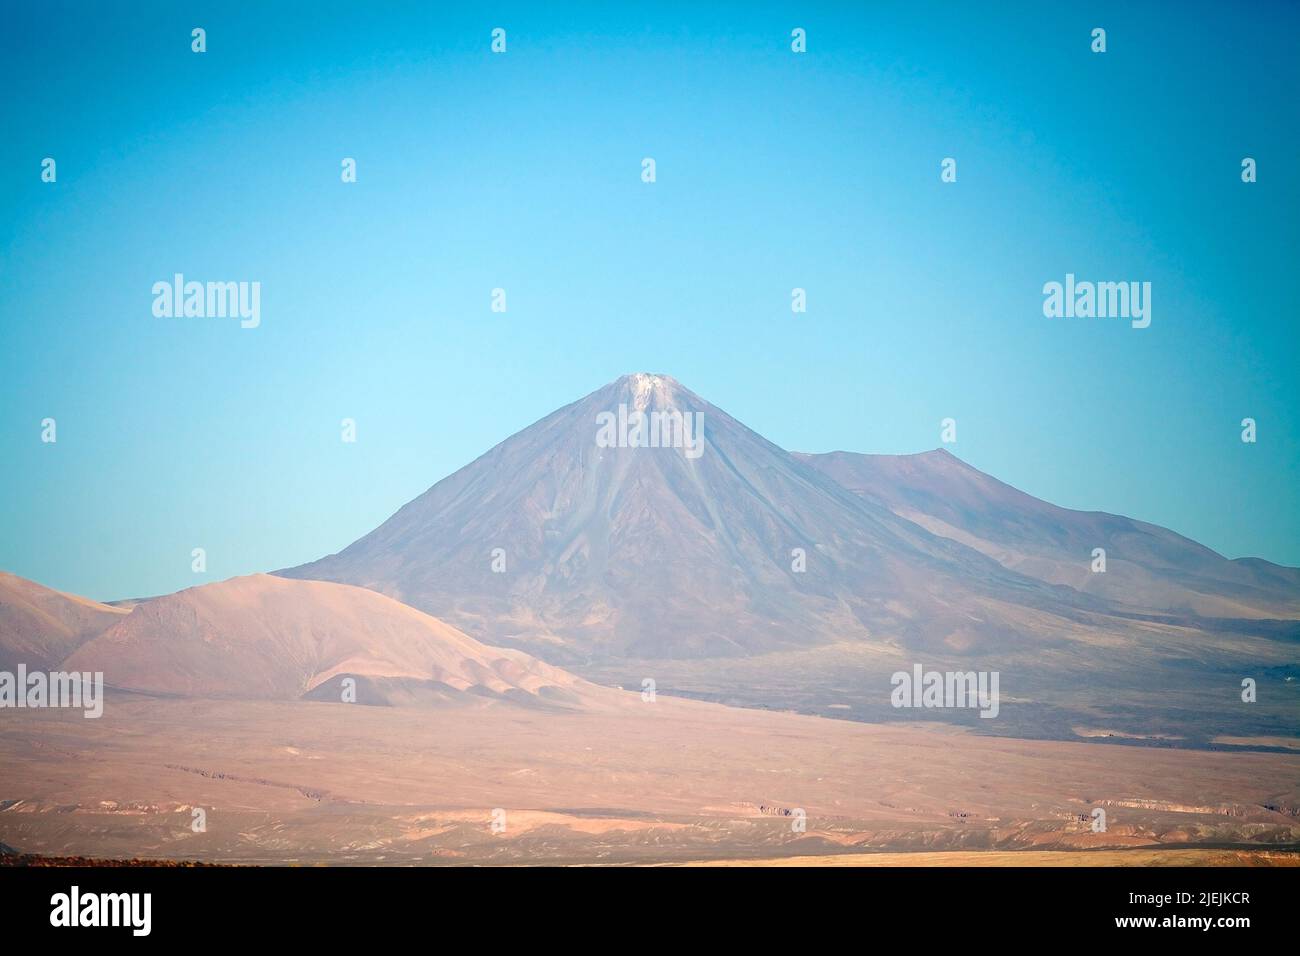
<point x="623" y="781"/>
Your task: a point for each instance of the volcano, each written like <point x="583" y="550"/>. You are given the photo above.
<point x="644" y="522"/>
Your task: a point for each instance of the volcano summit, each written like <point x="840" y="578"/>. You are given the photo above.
<point x="822" y="574"/>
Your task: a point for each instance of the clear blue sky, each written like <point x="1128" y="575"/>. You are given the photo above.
<point x="522" y="171"/>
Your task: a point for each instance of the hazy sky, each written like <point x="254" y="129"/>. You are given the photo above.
<point x="523" y="171"/>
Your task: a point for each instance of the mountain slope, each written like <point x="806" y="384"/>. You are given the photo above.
<point x="1148" y="568"/>
<point x="655" y="552"/>
<point x="261" y="637"/>
<point x="39" y="626"/>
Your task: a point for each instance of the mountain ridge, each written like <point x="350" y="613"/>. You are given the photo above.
<point x="1149" y="568"/>
<point x="585" y="530"/>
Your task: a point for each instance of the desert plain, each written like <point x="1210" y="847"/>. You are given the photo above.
<point x="623" y="780"/>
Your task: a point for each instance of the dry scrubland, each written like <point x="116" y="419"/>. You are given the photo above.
<point x="618" y="782"/>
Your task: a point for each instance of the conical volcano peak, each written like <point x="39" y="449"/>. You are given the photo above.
<point x="642" y="521"/>
<point x="645" y="391"/>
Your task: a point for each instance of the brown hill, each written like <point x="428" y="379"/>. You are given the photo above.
<point x="262" y="637"/>
<point x="39" y="626"/>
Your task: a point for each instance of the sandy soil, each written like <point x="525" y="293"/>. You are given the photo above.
<point x="626" y="781"/>
<point x="1187" y="856"/>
